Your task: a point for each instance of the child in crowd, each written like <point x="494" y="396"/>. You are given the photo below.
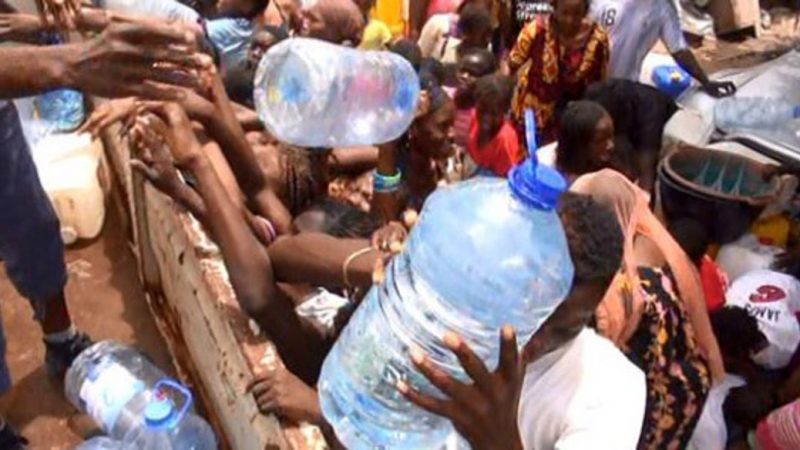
<point x="445" y="36"/>
<point x="377" y="35"/>
<point x="239" y="79"/>
<point x="473" y="64"/>
<point x="692" y="236"/>
<point x="493" y="142"/>
<point x="773" y="298"/>
<point x="585" y="141"/>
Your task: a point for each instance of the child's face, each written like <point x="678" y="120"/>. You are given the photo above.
<point x="470" y="68"/>
<point x="260" y="43"/>
<point x="434" y="132"/>
<point x="601" y="147"/>
<point x="490" y="116"/>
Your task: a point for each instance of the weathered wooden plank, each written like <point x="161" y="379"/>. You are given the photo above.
<point x="212" y="342"/>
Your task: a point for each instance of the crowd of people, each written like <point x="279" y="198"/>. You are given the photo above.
<point x="651" y="349"/>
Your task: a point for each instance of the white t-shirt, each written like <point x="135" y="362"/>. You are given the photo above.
<point x="634" y="27"/>
<point x="711" y="432"/>
<point x="438" y="40"/>
<point x="773" y="298"/>
<point x="585" y="395"/>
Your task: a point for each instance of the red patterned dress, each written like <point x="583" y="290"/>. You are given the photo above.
<point x="552" y="75"/>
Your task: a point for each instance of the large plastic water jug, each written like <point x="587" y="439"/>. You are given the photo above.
<point x="165" y="427"/>
<point x="485" y="253"/>
<point x="312" y="93"/>
<point x="69" y="166"/>
<point x="118" y="387"/>
<point x="104" y="443"/>
<point x="756" y="113"/>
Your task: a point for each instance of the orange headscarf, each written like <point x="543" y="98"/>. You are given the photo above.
<point x="619" y="313"/>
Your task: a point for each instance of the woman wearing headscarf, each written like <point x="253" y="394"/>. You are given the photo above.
<point x="655" y="312"/>
<point x="336" y="21"/>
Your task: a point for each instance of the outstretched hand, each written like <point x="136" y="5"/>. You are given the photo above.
<point x="152" y="158"/>
<point x="484" y="412"/>
<point x="59" y="13"/>
<point x="282" y="393"/>
<point x="719" y="88"/>
<point x="107" y="114"/>
<point x="143" y="59"/>
<point x="171" y="124"/>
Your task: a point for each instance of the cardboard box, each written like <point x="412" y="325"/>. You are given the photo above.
<point x="735" y="15"/>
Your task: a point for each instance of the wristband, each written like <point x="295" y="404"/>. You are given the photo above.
<point x="384" y="183"/>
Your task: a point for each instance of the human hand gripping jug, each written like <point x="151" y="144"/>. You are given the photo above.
<point x="485" y="253"/>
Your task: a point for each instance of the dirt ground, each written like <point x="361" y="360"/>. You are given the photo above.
<point x="107" y="302"/>
<point x="743" y="50"/>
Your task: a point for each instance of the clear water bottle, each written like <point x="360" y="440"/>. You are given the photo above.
<point x="166" y="427"/>
<point x="314" y="94"/>
<point x="485" y="253"/>
<point x="161" y="9"/>
<point x="104" y="443"/>
<point x="117" y="386"/>
<point x="756" y="113"/>
<point x="61" y="108"/>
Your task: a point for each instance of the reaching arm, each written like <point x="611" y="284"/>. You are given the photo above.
<point x="320" y="259"/>
<point x="248" y="263"/>
<point x="224" y="127"/>
<point x="247" y="118"/>
<point x="127" y="56"/>
<point x="685" y="58"/>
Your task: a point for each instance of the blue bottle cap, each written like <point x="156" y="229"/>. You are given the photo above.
<point x="536" y="185"/>
<point x="159" y="412"/>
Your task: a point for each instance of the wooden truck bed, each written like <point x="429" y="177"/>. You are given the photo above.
<point x="216" y="348"/>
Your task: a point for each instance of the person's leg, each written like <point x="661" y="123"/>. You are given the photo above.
<point x="30" y="244"/>
<point x="9" y="438"/>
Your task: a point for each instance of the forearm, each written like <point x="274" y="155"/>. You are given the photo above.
<point x="247" y="118"/>
<point x="685" y="59"/>
<point x="648" y="162"/>
<point x="319" y="259"/>
<point x="29" y="70"/>
<point x="247" y="260"/>
<point x="353" y="160"/>
<point x="22" y="28"/>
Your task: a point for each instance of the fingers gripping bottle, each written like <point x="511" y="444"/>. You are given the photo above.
<point x="485" y="253"/>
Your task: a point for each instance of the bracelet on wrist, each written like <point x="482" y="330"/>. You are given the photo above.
<point x="386" y="183"/>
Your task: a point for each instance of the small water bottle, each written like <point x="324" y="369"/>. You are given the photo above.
<point x="485" y="253"/>
<point x="104" y="443"/>
<point x="312" y="93"/>
<point x="165" y="427"/>
<point x="755" y="113"/>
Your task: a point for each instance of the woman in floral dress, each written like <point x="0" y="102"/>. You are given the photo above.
<point x="556" y="57"/>
<point x="655" y="312"/>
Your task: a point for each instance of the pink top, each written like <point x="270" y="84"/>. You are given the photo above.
<point x="442" y="7"/>
<point x="461" y="126"/>
<point x="781" y="429"/>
